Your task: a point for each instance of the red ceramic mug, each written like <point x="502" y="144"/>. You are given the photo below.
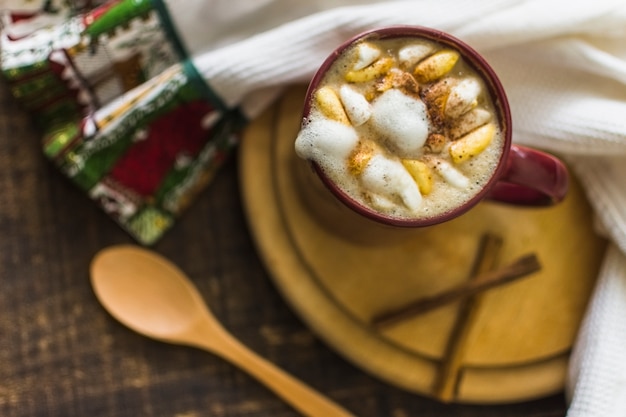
<point x="523" y="176"/>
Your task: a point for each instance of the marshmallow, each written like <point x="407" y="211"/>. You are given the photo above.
<point x="463" y="97"/>
<point x="451" y="174"/>
<point x="414" y="53"/>
<point x="366" y="54"/>
<point x="469" y="121"/>
<point x="358" y="108"/>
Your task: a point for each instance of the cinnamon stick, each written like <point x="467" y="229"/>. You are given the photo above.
<point x="522" y="267"/>
<point x="446" y="384"/>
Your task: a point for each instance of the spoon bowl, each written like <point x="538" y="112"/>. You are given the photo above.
<point x="153" y="297"/>
<point x="166" y="306"/>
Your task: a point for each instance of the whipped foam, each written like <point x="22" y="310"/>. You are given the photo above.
<point x="402" y="121"/>
<point x="387" y="181"/>
<point x="327" y="142"/>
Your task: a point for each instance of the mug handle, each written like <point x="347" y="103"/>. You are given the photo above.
<point x="531" y="178"/>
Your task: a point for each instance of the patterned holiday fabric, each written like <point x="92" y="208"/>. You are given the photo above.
<point x="122" y="111"/>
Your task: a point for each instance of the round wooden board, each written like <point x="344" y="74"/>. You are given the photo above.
<point x="521" y="337"/>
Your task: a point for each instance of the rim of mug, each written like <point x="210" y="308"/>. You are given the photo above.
<point x="472" y="58"/>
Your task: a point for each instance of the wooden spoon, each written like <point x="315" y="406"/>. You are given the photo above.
<point x="153" y="297"/>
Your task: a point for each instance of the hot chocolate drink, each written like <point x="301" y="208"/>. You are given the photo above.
<point x="404" y="126"/>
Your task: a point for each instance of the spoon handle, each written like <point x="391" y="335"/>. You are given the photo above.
<point x="300" y="396"/>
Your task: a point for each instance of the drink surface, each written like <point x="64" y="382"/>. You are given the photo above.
<point x="403" y="126"/>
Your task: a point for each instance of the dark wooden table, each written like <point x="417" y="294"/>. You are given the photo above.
<point x="62" y="355"/>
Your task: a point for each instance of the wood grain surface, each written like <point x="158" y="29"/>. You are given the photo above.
<point x="62" y="355"/>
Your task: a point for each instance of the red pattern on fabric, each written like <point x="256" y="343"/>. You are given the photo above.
<point x="147" y="162"/>
<point x="15" y="17"/>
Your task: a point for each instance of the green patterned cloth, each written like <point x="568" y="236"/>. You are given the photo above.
<point x="122" y="111"/>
